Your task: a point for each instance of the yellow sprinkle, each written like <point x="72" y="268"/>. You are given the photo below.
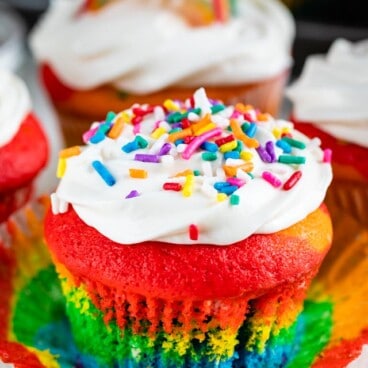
<point x="157" y="133"/>
<point x="285" y="130"/>
<point x="221" y="197"/>
<point x="117" y="127"/>
<point x="171" y="105"/>
<point x="276" y="133"/>
<point x="205" y="129"/>
<point x="228" y="146"/>
<point x="125" y="116"/>
<point x="246" y="155"/>
<point x="201" y="124"/>
<point x="61" y="167"/>
<point x="138" y="173"/>
<point x="188" y="185"/>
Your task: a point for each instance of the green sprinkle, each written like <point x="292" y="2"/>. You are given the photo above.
<point x="239" y="146"/>
<point x="175" y="117"/>
<point x="285" y="159"/>
<point x="196" y="172"/>
<point x="251" y="175"/>
<point x="217" y="108"/>
<point x="234" y="200"/>
<point x="142" y="143"/>
<point x="294" y="143"/>
<point x="175" y="130"/>
<point x="110" y="116"/>
<point x="245" y="126"/>
<point x="209" y="156"/>
<point x="197" y="110"/>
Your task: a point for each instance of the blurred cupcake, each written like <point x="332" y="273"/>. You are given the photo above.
<point x="330" y="101"/>
<point x="183" y="240"/>
<point x="126" y="52"/>
<point x="23" y="146"/>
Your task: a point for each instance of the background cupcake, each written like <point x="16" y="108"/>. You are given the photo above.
<point x="139" y="51"/>
<point x="178" y="248"/>
<point x="23" y="146"/>
<point x="330" y="101"/>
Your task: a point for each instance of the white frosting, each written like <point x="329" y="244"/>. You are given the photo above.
<point x="157" y="214"/>
<point x="142" y="47"/>
<point x="332" y="92"/>
<point x="361" y="361"/>
<point x="15" y="104"/>
<point x="6" y="365"/>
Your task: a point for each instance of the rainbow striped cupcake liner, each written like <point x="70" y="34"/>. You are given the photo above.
<point x="35" y="331"/>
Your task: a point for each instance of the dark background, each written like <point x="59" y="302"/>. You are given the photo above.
<point x="319" y="22"/>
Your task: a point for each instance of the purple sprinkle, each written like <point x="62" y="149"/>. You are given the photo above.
<point x="147" y="158"/>
<point x="176" y="125"/>
<point x="270" y="148"/>
<point x="165" y="149"/>
<point x="264" y="155"/>
<point x="132" y="194"/>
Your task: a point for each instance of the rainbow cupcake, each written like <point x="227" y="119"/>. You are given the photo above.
<point x="180" y="238"/>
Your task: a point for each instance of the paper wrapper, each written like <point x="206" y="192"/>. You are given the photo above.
<point x="34" y="328"/>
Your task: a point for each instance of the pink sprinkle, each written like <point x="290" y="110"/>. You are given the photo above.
<point x="327" y="155"/>
<point x="137" y="129"/>
<point x="235" y="114"/>
<point x="236" y="181"/>
<point x="197" y="141"/>
<point x="157" y="124"/>
<point x="89" y="134"/>
<point x="272" y="179"/>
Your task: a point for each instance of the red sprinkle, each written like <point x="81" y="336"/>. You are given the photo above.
<point x="140" y="112"/>
<point x="192" y="103"/>
<point x="286" y="135"/>
<point x="137" y="119"/>
<point x="247" y="116"/>
<point x="294" y="178"/>
<point x="222" y="141"/>
<point x="172" y="186"/>
<point x="185" y="123"/>
<point x="188" y="139"/>
<point x="193" y="232"/>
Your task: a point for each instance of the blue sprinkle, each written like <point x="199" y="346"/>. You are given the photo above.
<point x="97" y="137"/>
<point x="179" y="141"/>
<point x="285" y="146"/>
<point x="251" y="131"/>
<point x="209" y="146"/>
<point x="131" y="146"/>
<point x="228" y="190"/>
<point x="104" y="173"/>
<point x="221" y="184"/>
<point x="231" y="154"/>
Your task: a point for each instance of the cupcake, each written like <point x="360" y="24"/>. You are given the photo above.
<point x="329" y="102"/>
<point x="183" y="240"/>
<point x="151" y="51"/>
<point x="23" y="146"/>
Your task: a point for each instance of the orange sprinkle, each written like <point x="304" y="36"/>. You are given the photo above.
<point x="183" y="173"/>
<point x="263" y="117"/>
<point x="231" y="170"/>
<point x="138" y="173"/>
<point x="239" y="134"/>
<point x="180" y="134"/>
<point x="201" y="124"/>
<point x="69" y="152"/>
<point x="243" y="108"/>
<point x="117" y="128"/>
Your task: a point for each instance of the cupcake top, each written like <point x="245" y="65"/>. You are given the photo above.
<point x="144" y="46"/>
<point x="332" y="92"/>
<point x="15" y="104"/>
<point x="192" y="172"/>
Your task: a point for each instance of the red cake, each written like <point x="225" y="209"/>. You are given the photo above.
<point x="181" y="239"/>
<point x="23" y="145"/>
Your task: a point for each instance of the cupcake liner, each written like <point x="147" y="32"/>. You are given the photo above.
<point x="123" y="327"/>
<point x="330" y="331"/>
<point x="350" y="197"/>
<point x="81" y="108"/>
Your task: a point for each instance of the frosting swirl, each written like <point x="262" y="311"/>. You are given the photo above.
<point x="332" y="92"/>
<point x="143" y="47"/>
<point x="215" y="170"/>
<point x="15" y="104"/>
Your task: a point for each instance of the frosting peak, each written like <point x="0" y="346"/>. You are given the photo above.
<point x="332" y="92"/>
<point x="15" y="104"/>
<point x="142" y="47"/>
<point x="192" y="172"/>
